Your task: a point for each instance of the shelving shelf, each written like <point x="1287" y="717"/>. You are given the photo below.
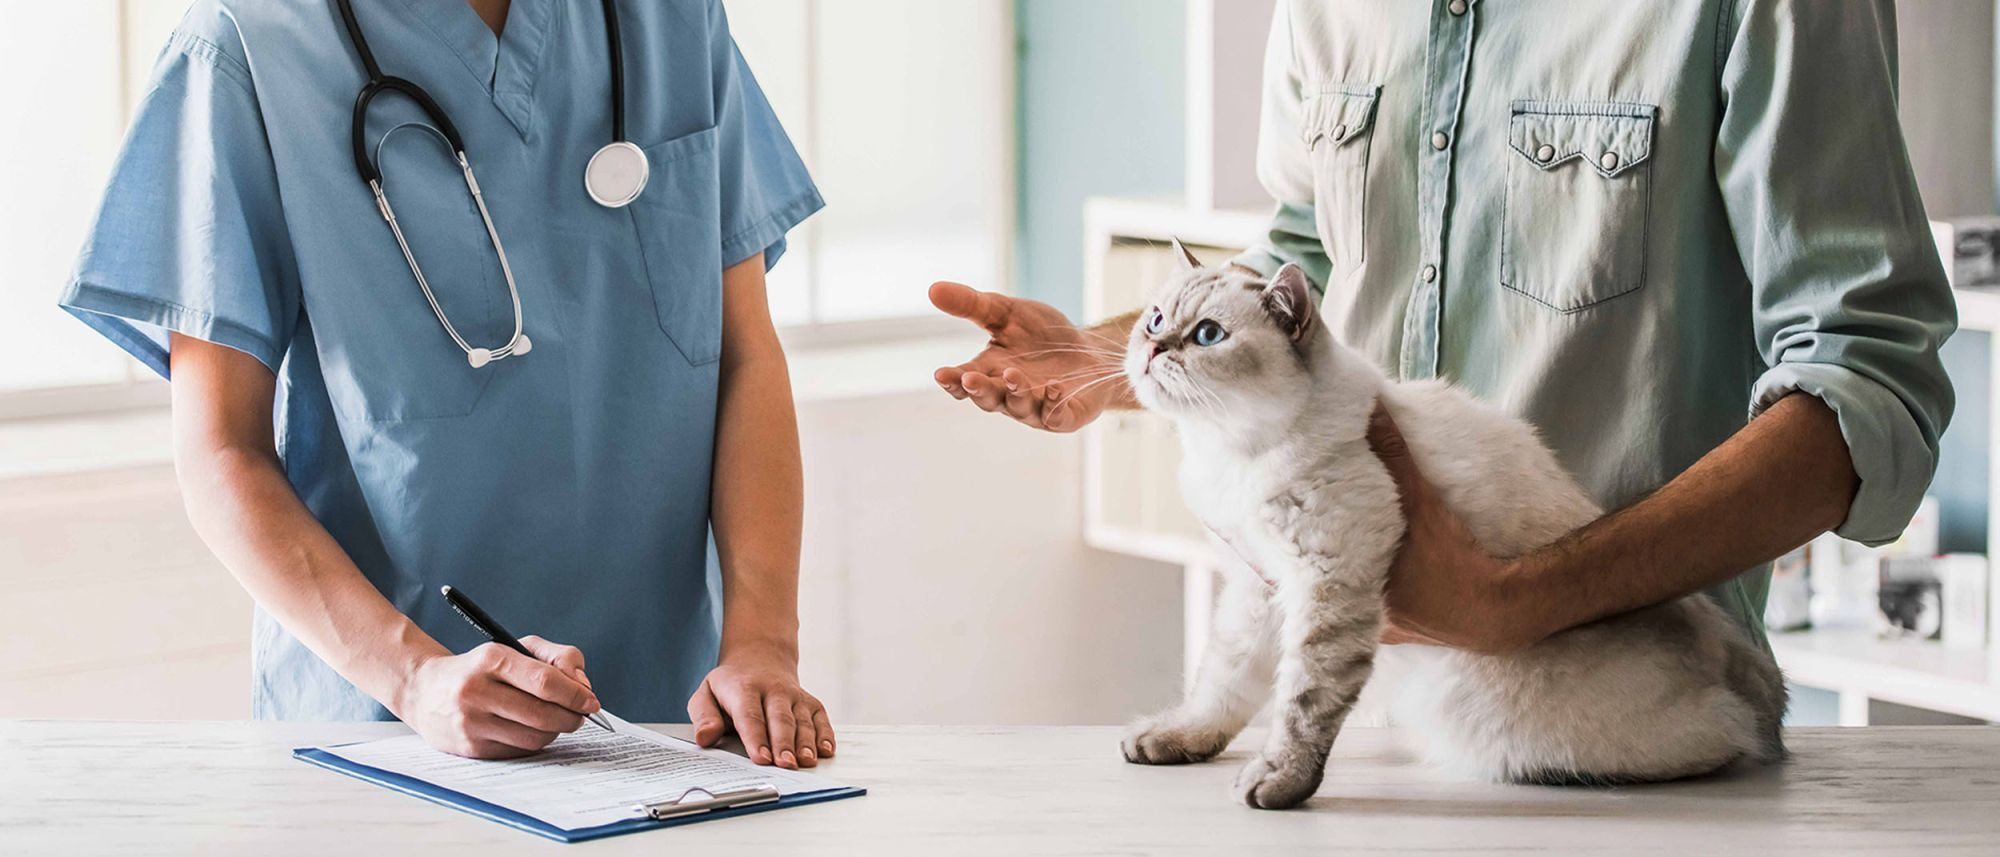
<point x="1861" y="667"/>
<point x="1979" y="309"/>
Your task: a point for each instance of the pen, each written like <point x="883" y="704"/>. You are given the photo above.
<point x="485" y="625"/>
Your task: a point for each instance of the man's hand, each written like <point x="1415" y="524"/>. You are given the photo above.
<point x="758" y="695"/>
<point x="496" y="703"/>
<point x="1444" y="589"/>
<point x="1039" y="368"/>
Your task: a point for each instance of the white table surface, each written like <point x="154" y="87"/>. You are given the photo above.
<point x="85" y="788"/>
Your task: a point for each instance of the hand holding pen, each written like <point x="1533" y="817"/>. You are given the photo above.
<point x="565" y="657"/>
<point x="498" y="701"/>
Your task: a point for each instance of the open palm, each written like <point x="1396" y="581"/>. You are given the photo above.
<point x="1038" y="367"/>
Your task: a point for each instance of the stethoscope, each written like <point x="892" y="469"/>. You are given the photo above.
<point x="614" y="177"/>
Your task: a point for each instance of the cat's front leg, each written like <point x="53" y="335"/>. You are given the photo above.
<point x="1330" y="620"/>
<point x="1232" y="683"/>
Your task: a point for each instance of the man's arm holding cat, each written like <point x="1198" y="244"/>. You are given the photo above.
<point x="1782" y="479"/>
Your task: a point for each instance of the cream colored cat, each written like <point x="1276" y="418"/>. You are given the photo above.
<point x="1273" y="414"/>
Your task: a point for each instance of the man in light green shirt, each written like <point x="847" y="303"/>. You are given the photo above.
<point x="1628" y="223"/>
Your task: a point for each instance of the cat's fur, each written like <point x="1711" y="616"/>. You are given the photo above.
<point x="1273" y="421"/>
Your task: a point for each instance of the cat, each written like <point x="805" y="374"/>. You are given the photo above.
<point x="1272" y="414"/>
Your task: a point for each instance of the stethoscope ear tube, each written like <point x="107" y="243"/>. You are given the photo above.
<point x="362" y="160"/>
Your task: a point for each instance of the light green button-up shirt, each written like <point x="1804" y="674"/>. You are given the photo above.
<point x="1628" y="223"/>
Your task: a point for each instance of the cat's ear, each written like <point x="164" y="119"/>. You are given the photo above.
<point x="1289" y="300"/>
<point x="1186" y="259"/>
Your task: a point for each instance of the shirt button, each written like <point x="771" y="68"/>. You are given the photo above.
<point x="1439" y="141"/>
<point x="1457" y="7"/>
<point x="1339" y="131"/>
<point x="1430" y="273"/>
<point x="1609" y="162"/>
<point x="1546" y="153"/>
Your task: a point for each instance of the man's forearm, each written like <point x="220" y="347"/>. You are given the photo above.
<point x="1781" y="480"/>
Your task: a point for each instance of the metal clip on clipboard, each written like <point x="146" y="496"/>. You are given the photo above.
<point x="680" y="806"/>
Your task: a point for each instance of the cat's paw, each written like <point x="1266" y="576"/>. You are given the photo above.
<point x="1280" y="782"/>
<point x="1167" y="741"/>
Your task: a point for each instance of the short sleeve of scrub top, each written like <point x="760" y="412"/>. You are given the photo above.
<point x="765" y="187"/>
<point x="566" y="488"/>
<point x="190" y="236"/>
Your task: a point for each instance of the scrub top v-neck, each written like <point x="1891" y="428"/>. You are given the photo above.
<point x="569" y="487"/>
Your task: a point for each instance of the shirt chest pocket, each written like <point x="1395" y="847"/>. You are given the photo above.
<point x="679" y="223"/>
<point x="1579" y="190"/>
<point x="1337" y="122"/>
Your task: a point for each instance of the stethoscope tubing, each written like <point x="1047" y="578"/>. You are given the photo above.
<point x="369" y="167"/>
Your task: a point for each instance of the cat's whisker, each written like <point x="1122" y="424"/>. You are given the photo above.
<point x="1108" y="347"/>
<point x="1207" y="400"/>
<point x="1103" y="337"/>
<point x="1092" y="352"/>
<point x="1106" y="366"/>
<point x="1085" y="376"/>
<point x="1071" y="394"/>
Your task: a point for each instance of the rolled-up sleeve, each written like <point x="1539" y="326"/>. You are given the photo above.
<point x="1849" y="298"/>
<point x="1284" y="167"/>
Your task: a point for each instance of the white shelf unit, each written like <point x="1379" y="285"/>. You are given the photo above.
<point x="1131" y="501"/>
<point x="1862" y="667"/>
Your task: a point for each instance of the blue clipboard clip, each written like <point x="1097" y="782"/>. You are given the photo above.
<point x="681" y="806"/>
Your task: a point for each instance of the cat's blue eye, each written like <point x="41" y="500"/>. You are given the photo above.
<point x="1156" y="322"/>
<point x="1209" y="332"/>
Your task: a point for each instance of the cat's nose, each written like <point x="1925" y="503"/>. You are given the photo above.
<point x="1152" y="350"/>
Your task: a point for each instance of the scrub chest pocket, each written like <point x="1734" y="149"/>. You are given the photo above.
<point x="1579" y="187"/>
<point x="1337" y="122"/>
<point x="679" y="221"/>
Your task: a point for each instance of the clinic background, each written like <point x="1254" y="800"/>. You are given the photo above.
<point x="949" y="572"/>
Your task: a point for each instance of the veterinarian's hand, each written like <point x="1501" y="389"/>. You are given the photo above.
<point x="496" y="703"/>
<point x="757" y="693"/>
<point x="1038" y="368"/>
<point x="1444" y="589"/>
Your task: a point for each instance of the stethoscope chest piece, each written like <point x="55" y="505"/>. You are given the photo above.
<point x="616" y="174"/>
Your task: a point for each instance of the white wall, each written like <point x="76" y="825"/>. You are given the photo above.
<point x="1947" y="53"/>
<point x="947" y="581"/>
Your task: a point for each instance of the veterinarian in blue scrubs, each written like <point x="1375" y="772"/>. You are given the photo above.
<point x="571" y="479"/>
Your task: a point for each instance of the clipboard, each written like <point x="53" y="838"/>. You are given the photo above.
<point x="691" y="807"/>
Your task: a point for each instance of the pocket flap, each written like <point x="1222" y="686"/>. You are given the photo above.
<point x="1337" y="112"/>
<point x="1612" y="137"/>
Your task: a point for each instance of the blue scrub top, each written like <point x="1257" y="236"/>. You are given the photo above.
<point x="566" y="489"/>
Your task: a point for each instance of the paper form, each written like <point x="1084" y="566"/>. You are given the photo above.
<point x="586" y="778"/>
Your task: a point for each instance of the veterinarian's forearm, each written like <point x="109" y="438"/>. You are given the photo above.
<point x="1781" y="480"/>
<point x="237" y="498"/>
<point x="757" y="499"/>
